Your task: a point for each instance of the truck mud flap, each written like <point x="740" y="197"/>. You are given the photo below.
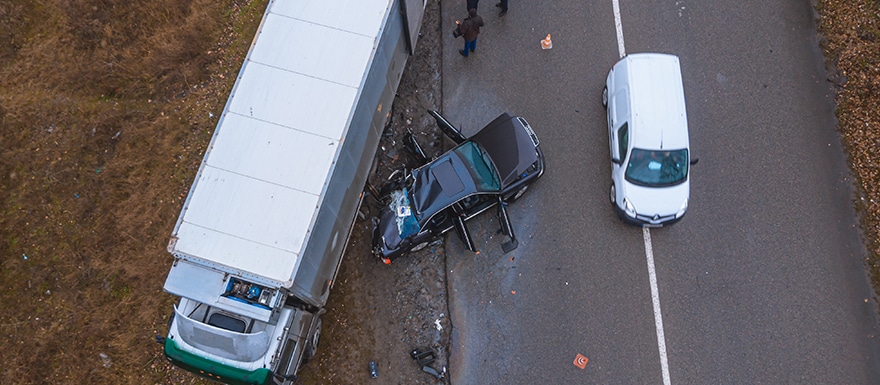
<point x="448" y="129"/>
<point x="506" y="228"/>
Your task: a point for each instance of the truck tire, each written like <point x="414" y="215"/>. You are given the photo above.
<point x="312" y="343"/>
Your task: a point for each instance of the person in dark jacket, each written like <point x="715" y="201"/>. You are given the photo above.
<point x="470" y="28"/>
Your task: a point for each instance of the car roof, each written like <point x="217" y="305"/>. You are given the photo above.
<point x="658" y="106"/>
<point x="448" y="178"/>
<point x="509" y="145"/>
<point x="440" y="183"/>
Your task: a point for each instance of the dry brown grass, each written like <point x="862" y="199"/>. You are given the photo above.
<point x="105" y="108"/>
<point x="851" y="40"/>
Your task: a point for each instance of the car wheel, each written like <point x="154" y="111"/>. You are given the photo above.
<point x="605" y="97"/>
<point x="518" y="194"/>
<point x="613" y="194"/>
<point x="312" y="344"/>
<point x="419" y="247"/>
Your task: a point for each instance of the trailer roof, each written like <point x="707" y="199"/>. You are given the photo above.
<point x="264" y="176"/>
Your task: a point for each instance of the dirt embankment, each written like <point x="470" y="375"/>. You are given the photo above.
<point x="106" y="108"/>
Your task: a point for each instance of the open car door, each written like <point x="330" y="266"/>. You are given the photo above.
<point x="506" y="228"/>
<point x="448" y="129"/>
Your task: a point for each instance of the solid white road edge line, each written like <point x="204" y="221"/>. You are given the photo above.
<point x="619" y="27"/>
<point x="655" y="298"/>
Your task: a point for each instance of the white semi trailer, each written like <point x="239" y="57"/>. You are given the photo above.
<point x="263" y="230"/>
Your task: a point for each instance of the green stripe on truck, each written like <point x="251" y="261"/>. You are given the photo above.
<point x="213" y="370"/>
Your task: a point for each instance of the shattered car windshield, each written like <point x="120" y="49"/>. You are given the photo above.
<point x="480" y="166"/>
<point x="406" y="220"/>
<point x="656" y="168"/>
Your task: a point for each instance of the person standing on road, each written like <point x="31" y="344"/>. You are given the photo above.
<point x="503" y="5"/>
<point x="470" y="28"/>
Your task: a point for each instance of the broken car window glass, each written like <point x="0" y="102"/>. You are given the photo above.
<point x="406" y="220"/>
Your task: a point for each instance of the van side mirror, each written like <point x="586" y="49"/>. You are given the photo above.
<point x="694" y="161"/>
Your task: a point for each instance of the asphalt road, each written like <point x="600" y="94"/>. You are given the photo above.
<point x="762" y="282"/>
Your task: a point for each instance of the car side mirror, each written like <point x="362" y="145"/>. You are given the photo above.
<point x="617" y="161"/>
<point x="694" y="161"/>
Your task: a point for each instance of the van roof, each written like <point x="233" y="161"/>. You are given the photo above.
<point x="657" y="101"/>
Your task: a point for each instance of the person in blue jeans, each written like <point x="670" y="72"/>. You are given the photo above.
<point x="470" y="28"/>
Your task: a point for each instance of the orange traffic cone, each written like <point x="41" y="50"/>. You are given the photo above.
<point x="546" y="43"/>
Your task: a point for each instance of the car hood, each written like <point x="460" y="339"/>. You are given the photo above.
<point x="662" y="201"/>
<point x="387" y="234"/>
<point x="509" y="145"/>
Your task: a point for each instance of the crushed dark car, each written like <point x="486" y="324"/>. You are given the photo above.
<point x="490" y="169"/>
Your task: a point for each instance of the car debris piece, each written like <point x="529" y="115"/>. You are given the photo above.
<point x="439" y="375"/>
<point x="425" y="357"/>
<point x="374" y="369"/>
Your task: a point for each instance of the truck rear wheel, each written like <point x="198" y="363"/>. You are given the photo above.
<point x="312" y="344"/>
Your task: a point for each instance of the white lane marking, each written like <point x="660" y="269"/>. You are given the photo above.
<point x="618" y="25"/>
<point x="655" y="298"/>
<point x="646" y="234"/>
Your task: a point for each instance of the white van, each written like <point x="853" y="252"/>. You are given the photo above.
<point x="648" y="139"/>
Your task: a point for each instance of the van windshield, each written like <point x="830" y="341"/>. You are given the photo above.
<point x="653" y="168"/>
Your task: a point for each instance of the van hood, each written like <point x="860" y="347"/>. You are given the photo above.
<point x="660" y="201"/>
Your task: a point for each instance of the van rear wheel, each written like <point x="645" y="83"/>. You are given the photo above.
<point x="605" y="97"/>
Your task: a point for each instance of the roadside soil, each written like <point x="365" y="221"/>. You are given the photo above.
<point x="106" y="108"/>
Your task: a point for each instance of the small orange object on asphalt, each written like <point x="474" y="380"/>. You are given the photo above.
<point x="546" y="43"/>
<point x="581" y="361"/>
